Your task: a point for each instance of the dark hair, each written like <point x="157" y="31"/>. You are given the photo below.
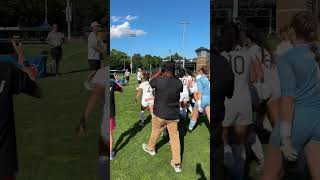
<point x="258" y="37"/>
<point x="181" y="73"/>
<point x="168" y="67"/>
<point x="146" y="76"/>
<point x="230" y="37"/>
<point x="305" y="25"/>
<point x="189" y="72"/>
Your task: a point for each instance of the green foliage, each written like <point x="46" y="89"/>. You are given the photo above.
<point x="118" y="58"/>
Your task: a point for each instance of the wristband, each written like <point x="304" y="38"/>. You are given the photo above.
<point x="285" y="129"/>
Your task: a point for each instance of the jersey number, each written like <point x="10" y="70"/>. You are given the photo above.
<point x="3" y="83"/>
<point x="237" y="64"/>
<point x="184" y="82"/>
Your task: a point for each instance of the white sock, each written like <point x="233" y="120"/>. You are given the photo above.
<point x="257" y="149"/>
<point x="227" y="148"/>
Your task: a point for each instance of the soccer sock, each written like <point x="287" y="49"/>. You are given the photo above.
<point x="142" y="118"/>
<point x="240" y="158"/>
<point x="190" y="108"/>
<point x="257" y="149"/>
<point x="185" y="111"/>
<point x="192" y="124"/>
<point x="227" y="148"/>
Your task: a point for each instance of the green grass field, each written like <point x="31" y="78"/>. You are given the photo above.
<point x="49" y="148"/>
<point x="131" y="162"/>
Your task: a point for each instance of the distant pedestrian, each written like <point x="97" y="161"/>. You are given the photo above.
<point x="55" y="41"/>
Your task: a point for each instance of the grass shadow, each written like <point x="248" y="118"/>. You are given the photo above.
<point x="130" y="133"/>
<point x="200" y="172"/>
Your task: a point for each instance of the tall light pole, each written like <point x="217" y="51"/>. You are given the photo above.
<point x="184" y="23"/>
<point x="131" y="35"/>
<point x="46" y="13"/>
<point x="68" y="18"/>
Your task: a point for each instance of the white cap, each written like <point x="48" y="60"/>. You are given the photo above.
<point x="95" y="24"/>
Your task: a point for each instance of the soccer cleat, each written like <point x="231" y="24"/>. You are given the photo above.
<point x="145" y="148"/>
<point x="176" y="167"/>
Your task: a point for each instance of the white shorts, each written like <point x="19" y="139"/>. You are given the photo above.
<point x="184" y="97"/>
<point x="147" y="102"/>
<point x="237" y="114"/>
<point x="272" y="84"/>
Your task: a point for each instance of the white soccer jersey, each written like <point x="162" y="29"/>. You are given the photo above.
<point x="240" y="62"/>
<point x="271" y="79"/>
<point x="146" y="90"/>
<point x="238" y="108"/>
<point x="184" y="81"/>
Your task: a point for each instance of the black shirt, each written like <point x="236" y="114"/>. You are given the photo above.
<point x="113" y="87"/>
<point x="223" y="84"/>
<point x="12" y="81"/>
<point x="167" y="95"/>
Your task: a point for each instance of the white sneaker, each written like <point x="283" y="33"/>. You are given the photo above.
<point x="145" y="148"/>
<point x="176" y="167"/>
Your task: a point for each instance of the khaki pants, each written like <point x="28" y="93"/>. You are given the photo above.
<point x="158" y="126"/>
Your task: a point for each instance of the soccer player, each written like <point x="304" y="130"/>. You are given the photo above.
<point x="184" y="96"/>
<point x="127" y="75"/>
<point x="13" y="81"/>
<point x="147" y="101"/>
<point x="238" y="115"/>
<point x="202" y="97"/>
<point x="166" y="112"/>
<point x="100" y="92"/>
<point x="298" y="129"/>
<point x="267" y="84"/>
<point x="139" y="76"/>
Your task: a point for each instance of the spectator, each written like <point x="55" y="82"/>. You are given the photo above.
<point x="127" y="75"/>
<point x="166" y="112"/>
<point x="13" y="80"/>
<point x="55" y="41"/>
<point x="95" y="49"/>
<point x="139" y="76"/>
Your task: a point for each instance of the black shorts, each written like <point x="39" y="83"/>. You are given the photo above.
<point x="94" y="65"/>
<point x="56" y="53"/>
<point x="139" y="82"/>
<point x="127" y="78"/>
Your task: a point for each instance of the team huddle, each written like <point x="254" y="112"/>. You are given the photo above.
<point x="285" y="82"/>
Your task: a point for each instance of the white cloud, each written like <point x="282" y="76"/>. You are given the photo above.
<point x="130" y="18"/>
<point x="124" y="30"/>
<point x="123" y="18"/>
<point x="115" y="18"/>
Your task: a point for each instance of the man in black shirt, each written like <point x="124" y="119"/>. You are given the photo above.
<point x="166" y="112"/>
<point x="12" y="81"/>
<point x="223" y="79"/>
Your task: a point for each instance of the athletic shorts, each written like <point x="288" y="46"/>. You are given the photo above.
<point x="127" y="78"/>
<point x="94" y="65"/>
<point x="184" y="97"/>
<point x="272" y="83"/>
<point x="112" y="123"/>
<point x="139" y="82"/>
<point x="305" y="128"/>
<point x="238" y="114"/>
<point x="147" y="102"/>
<point x="205" y="102"/>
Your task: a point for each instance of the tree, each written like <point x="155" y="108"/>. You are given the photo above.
<point x="117" y="59"/>
<point x="176" y="56"/>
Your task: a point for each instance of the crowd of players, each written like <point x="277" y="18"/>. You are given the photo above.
<point x="283" y="86"/>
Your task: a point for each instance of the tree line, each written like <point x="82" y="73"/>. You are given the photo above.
<point x="120" y="60"/>
<point x="31" y="13"/>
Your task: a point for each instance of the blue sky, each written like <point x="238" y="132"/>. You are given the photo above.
<point x="155" y="24"/>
